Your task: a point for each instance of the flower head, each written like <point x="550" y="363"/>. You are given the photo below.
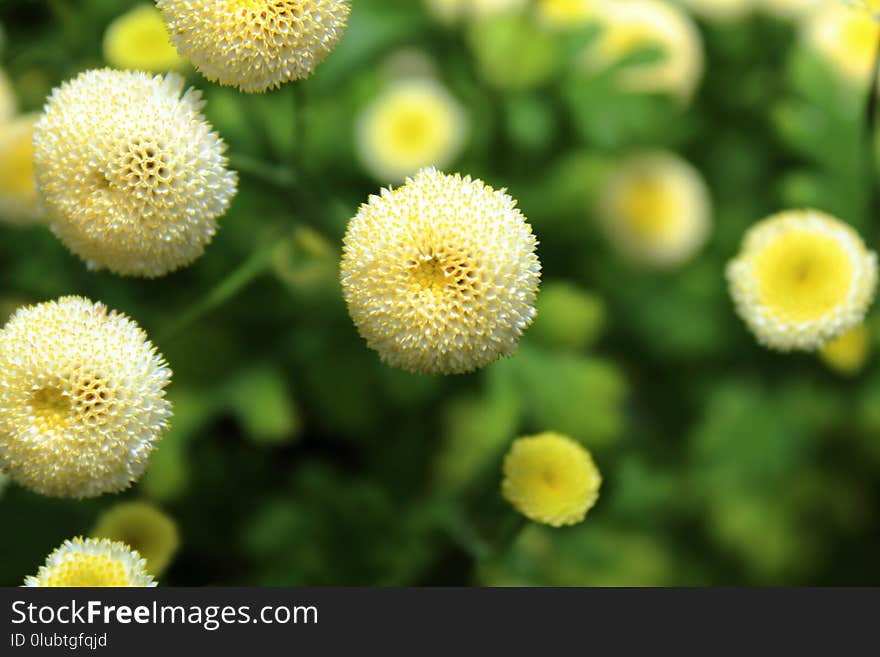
<point x="129" y="172"/>
<point x="92" y="562"/>
<point x="550" y="479"/>
<point x="655" y="209"/>
<point x="82" y="400"/>
<point x="138" y="40"/>
<point x="18" y="195"/>
<point x="440" y="275"/>
<point x="848" y="353"/>
<point x="253" y="44"/>
<point x="566" y="13"/>
<point x="845" y="37"/>
<point x="632" y="25"/>
<point x="414" y="124"/>
<point x="143" y="527"/>
<point x="802" y="278"/>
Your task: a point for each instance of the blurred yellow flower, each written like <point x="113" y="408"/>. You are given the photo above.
<point x="848" y="353"/>
<point x="130" y="173"/>
<point x="801" y="279"/>
<point x="655" y="209"/>
<point x="252" y="44"/>
<point x="721" y="11"/>
<point x="18" y="194"/>
<point x="82" y="399"/>
<point x="414" y="124"/>
<point x="440" y="275"/>
<point x="847" y="38"/>
<point x="92" y="562"/>
<point x="452" y="10"/>
<point x="566" y="13"/>
<point x="550" y="479"/>
<point x="144" y="528"/>
<point x="632" y="25"/>
<point x="871" y="6"/>
<point x="139" y="40"/>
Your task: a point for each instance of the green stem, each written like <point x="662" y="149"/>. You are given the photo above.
<point x="273" y="175"/>
<point x="871" y="137"/>
<point x="232" y="284"/>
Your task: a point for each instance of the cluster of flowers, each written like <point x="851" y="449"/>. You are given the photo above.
<point x="440" y="275"/>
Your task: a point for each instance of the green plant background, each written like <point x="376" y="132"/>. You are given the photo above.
<point x="296" y="458"/>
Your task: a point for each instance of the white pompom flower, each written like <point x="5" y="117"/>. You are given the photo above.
<point x="130" y="173"/>
<point x="90" y="562"/>
<point x="82" y="399"/>
<point x="440" y="275"/>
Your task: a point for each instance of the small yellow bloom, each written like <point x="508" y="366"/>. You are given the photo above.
<point x="92" y="562"/>
<point x="846" y="37"/>
<point x="801" y="279"/>
<point x="562" y="14"/>
<point x="655" y="209"/>
<point x="414" y="124"/>
<point x="848" y="353"/>
<point x="720" y="11"/>
<point x="18" y="194"/>
<point x="82" y="399"/>
<point x="138" y="40"/>
<point x="144" y="528"/>
<point x="131" y="175"/>
<point x="440" y="275"/>
<point x="632" y="25"/>
<point x="550" y="479"/>
<point x="253" y="44"/>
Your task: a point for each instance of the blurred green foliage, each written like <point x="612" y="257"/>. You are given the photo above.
<point x="296" y="458"/>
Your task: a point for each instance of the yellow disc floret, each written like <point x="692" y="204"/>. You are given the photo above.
<point x="82" y="399"/>
<point x="143" y="527"/>
<point x="129" y="172"/>
<point x="414" y="124"/>
<point x="255" y="44"/>
<point x="440" y="275"/>
<point x="550" y="479"/>
<point x="139" y="40"/>
<point x="848" y="353"/>
<point x="655" y="209"/>
<point x="92" y="562"/>
<point x="18" y="195"/>
<point x="801" y="279"/>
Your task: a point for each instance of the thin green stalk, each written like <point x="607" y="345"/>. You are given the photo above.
<point x="871" y="139"/>
<point x="273" y="175"/>
<point x="236" y="281"/>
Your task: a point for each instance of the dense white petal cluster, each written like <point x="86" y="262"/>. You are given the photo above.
<point x="130" y="173"/>
<point x="802" y="279"/>
<point x="440" y="275"/>
<point x="82" y="399"/>
<point x="255" y="44"/>
<point x="92" y="562"/>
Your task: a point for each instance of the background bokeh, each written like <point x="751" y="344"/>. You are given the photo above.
<point x="296" y="458"/>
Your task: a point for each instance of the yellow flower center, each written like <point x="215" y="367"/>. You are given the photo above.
<point x="411" y="131"/>
<point x="803" y="275"/>
<point x="87" y="570"/>
<point x="649" y="208"/>
<point x="51" y="409"/>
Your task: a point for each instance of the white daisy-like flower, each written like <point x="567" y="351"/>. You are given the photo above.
<point x="253" y="44"/>
<point x="655" y="209"/>
<point x="130" y="173"/>
<point x="440" y="275"/>
<point x="801" y="279"/>
<point x="82" y="399"/>
<point x="92" y="562"/>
